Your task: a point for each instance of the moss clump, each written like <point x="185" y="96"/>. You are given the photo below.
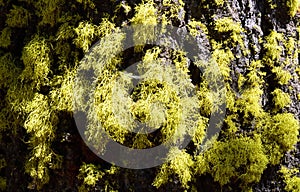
<point x="240" y="160"/>
<point x="18" y="17"/>
<point x="280" y="99"/>
<point x="291" y="180"/>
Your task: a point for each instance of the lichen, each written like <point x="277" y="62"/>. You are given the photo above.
<point x="5" y="37"/>
<point x="291" y="180"/>
<point x="239" y="160"/>
<point x="179" y="163"/>
<point x="280" y="99"/>
<point x="280" y="134"/>
<point x="18" y="17"/>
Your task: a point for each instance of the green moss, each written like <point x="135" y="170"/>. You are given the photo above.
<point x="5" y="37"/>
<point x="280" y="99"/>
<point x="239" y="160"/>
<point x="180" y="164"/>
<point x="18" y="17"/>
<point x="291" y="180"/>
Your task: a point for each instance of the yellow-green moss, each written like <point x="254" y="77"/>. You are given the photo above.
<point x="223" y="57"/>
<point x="8" y="71"/>
<point x="49" y="11"/>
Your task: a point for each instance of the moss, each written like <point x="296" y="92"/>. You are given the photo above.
<point x="219" y="2"/>
<point x="18" y="17"/>
<point x="87" y="3"/>
<point x="173" y="10"/>
<point x="238" y="160"/>
<point x="179" y="163"/>
<point x="86" y="33"/>
<point x="280" y="99"/>
<point x="92" y="175"/>
<point x="5" y="37"/>
<point x="291" y="180"/>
